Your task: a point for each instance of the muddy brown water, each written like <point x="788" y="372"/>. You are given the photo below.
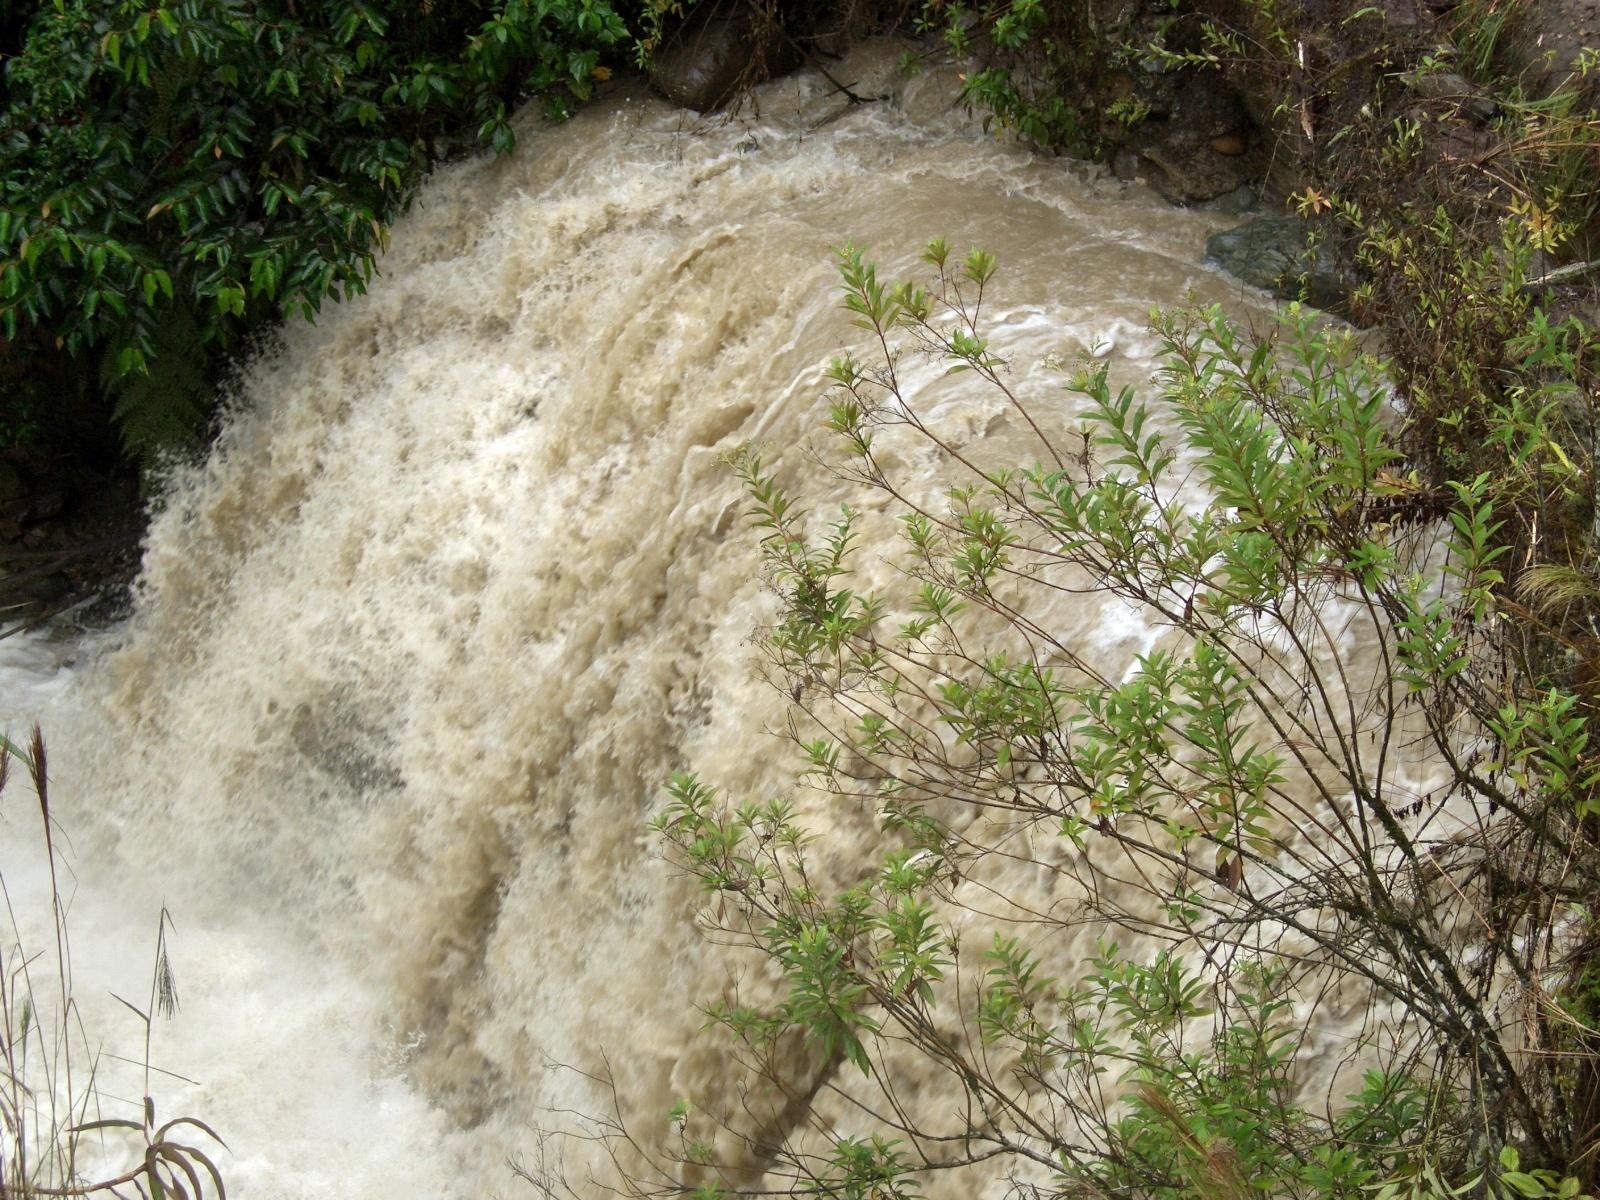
<point x="465" y="579"/>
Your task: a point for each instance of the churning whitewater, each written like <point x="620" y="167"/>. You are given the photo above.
<point x="465" y="578"/>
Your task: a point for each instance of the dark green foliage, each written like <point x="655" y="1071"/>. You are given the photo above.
<point x="239" y="161"/>
<point x="1062" y="76"/>
<point x="1036" y="57"/>
<point x="160" y="408"/>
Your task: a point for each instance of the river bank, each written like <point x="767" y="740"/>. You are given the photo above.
<point x="1173" y="98"/>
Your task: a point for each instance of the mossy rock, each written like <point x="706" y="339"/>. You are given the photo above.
<point x="1276" y="253"/>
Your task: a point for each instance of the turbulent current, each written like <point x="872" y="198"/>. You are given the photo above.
<point x="465" y="578"/>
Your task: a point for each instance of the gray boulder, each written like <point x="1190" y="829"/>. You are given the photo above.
<point x="1543" y="44"/>
<point x="703" y="64"/>
<point x="1273" y="253"/>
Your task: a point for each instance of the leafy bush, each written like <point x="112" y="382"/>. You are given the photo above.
<point x="1326" y="786"/>
<point x="1043" y="66"/>
<point x="173" y="174"/>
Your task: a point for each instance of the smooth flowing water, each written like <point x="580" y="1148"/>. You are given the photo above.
<point x="462" y="582"/>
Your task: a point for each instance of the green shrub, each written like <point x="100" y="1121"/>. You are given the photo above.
<point x="174" y="174"/>
<point x="1321" y="781"/>
<point x="1041" y="66"/>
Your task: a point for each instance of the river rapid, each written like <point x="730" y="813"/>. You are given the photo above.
<point x="465" y="578"/>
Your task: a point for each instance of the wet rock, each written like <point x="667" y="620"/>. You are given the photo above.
<point x="1188" y="172"/>
<point x="1273" y="253"/>
<point x="73" y="531"/>
<point x="1451" y="88"/>
<point x="700" y="67"/>
<point x="335" y="743"/>
<point x="39" y="587"/>
<point x="1201" y="150"/>
<point x="1459" y="141"/>
<point x="46" y="506"/>
<point x="1542" y="44"/>
<point x="703" y="64"/>
<point x="1237" y="203"/>
<point x="12" y="485"/>
<point x="1403" y="14"/>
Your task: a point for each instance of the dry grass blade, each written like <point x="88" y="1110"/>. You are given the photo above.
<point x="1547" y="587"/>
<point x="166" y="985"/>
<point x="133" y="1008"/>
<point x="39" y="770"/>
<point x="196" y="1122"/>
<point x="106" y="1123"/>
<point x="174" y="1155"/>
<point x="195" y="1153"/>
<point x="44" y="1107"/>
<point x="1216" y="1171"/>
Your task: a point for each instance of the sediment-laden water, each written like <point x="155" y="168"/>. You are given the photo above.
<point x="465" y="578"/>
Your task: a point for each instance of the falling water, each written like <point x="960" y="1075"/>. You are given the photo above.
<point x="465" y="578"/>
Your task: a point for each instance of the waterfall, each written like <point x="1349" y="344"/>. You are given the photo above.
<point x="465" y="577"/>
